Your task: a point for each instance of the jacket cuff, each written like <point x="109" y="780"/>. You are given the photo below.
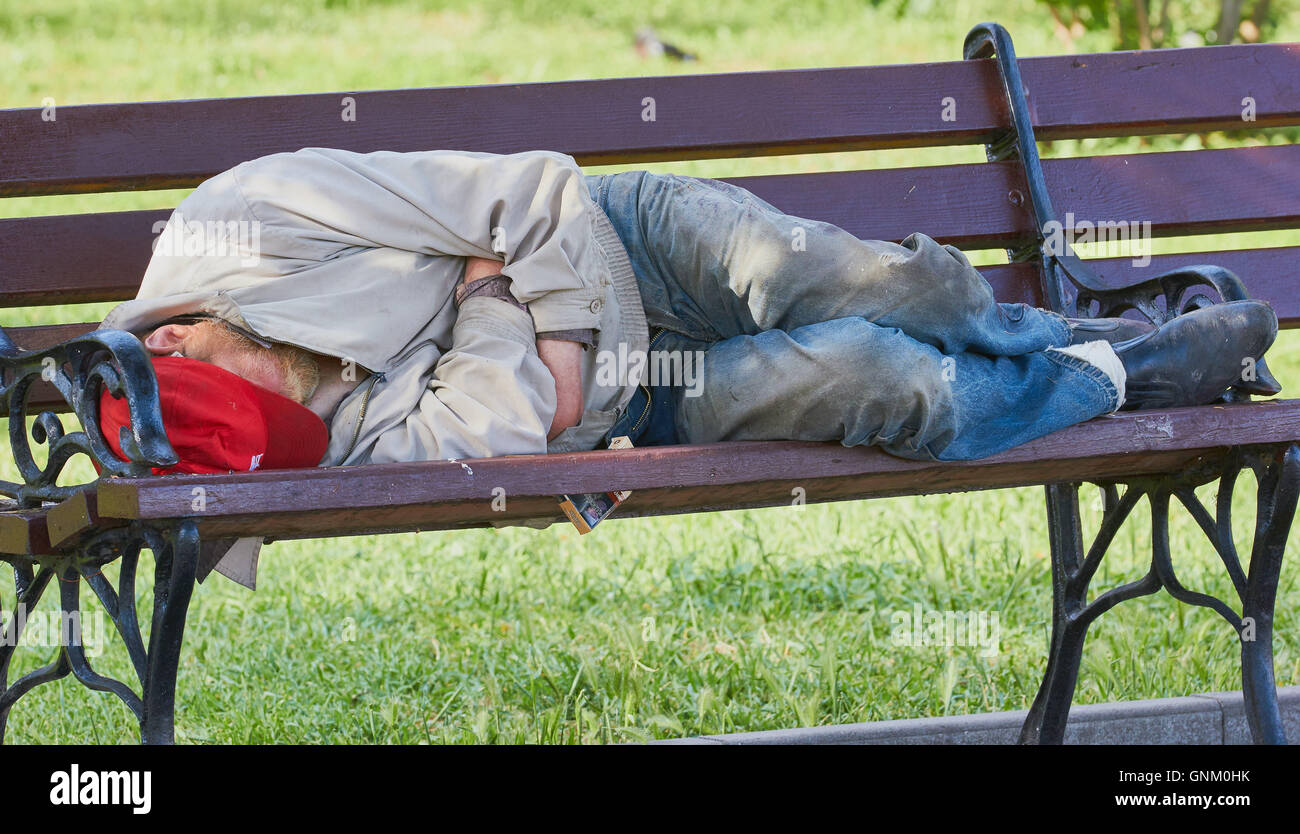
<point x="497" y="286"/>
<point x="575" y="309"/>
<point x="498" y="317"/>
<point x="586" y="338"/>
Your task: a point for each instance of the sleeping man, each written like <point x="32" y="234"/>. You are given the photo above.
<point x="452" y="305"/>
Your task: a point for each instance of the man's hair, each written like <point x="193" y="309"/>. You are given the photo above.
<point x="300" y="369"/>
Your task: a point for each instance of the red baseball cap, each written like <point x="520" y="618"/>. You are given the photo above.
<point x="219" y="422"/>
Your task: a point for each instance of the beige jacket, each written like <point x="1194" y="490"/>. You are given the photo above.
<point x="357" y="256"/>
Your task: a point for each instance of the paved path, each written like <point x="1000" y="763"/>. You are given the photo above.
<point x="1212" y="718"/>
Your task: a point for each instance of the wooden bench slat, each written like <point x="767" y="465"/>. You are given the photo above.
<point x="172" y="144"/>
<point x="971" y="206"/>
<point x="1185" y="192"/>
<point x="75" y="258"/>
<point x="449" y="494"/>
<point x="41" y="336"/>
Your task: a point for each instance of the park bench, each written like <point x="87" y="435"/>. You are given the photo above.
<point x="50" y="531"/>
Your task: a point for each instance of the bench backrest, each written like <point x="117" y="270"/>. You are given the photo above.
<point x="155" y="145"/>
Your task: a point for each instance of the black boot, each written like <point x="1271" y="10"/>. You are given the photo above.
<point x="1193" y="359"/>
<point x="1109" y="330"/>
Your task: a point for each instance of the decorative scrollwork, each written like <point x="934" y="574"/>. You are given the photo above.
<point x="1277" y="473"/>
<point x="1265" y="462"/>
<point x="175" y="553"/>
<point x="79" y="369"/>
<point x="1160" y="299"/>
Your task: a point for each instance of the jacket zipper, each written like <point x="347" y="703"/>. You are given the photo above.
<point x="646" y="411"/>
<point x="361" y="416"/>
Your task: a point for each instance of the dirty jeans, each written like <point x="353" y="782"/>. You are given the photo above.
<point x="809" y="333"/>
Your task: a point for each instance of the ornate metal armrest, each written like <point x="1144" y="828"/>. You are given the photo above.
<point x="1070" y="287"/>
<point x="1179" y="290"/>
<point x="77" y="368"/>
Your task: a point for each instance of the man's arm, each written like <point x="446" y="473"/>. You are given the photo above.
<point x="489" y="394"/>
<point x="528" y="210"/>
<point x="561" y="357"/>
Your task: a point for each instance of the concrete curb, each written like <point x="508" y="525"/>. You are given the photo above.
<point x="1211" y="718"/>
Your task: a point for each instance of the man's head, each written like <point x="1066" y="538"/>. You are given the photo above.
<point x="287" y="370"/>
<point x="217" y="421"/>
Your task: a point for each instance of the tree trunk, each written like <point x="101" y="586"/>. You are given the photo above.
<point x="1259" y="16"/>
<point x="1162" y="28"/>
<point x="1062" y="31"/>
<point x="1144" y="24"/>
<point x="1229" y="17"/>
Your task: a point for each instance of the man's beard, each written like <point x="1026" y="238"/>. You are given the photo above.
<point x="298" y="367"/>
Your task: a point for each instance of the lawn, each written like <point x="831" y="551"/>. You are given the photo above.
<point x="648" y="628"/>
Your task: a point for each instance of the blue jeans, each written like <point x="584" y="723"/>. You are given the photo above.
<point x="809" y="333"/>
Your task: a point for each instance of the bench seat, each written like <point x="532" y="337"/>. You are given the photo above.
<point x="442" y="495"/>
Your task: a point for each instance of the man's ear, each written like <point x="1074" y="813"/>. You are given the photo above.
<point x="167" y="339"/>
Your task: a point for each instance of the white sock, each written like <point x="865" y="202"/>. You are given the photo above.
<point x="1102" y="355"/>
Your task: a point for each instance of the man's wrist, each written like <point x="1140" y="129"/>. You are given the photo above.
<point x="492" y="286"/>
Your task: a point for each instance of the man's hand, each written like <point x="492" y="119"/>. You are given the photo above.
<point x="563" y="359"/>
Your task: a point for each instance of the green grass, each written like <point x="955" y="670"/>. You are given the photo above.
<point x="661" y="628"/>
<point x="649" y="628"/>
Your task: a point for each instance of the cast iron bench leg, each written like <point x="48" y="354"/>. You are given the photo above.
<point x="1045" y="723"/>
<point x="1278" y="491"/>
<point x="1072" y="571"/>
<point x="173" y="585"/>
<point x="1277" y="471"/>
<point x="176" y="558"/>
